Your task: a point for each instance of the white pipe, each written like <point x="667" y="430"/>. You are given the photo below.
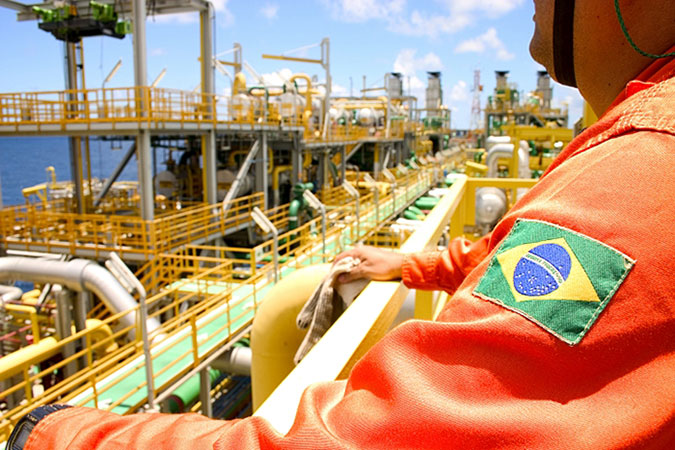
<point x="236" y="361"/>
<point x="79" y="275"/>
<point x="501" y="150"/>
<point x="10" y="293"/>
<point x="491" y="141"/>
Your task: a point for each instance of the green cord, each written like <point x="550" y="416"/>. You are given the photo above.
<point x="625" y="33"/>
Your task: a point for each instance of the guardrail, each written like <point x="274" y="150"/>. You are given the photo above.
<point x="155" y="108"/>
<point x="37" y="227"/>
<point x="372" y="312"/>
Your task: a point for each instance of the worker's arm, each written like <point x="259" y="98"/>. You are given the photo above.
<point x="445" y="269"/>
<point x="433" y="270"/>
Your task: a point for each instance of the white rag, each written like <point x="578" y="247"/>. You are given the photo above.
<point x="326" y="304"/>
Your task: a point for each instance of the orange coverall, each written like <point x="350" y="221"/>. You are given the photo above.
<point x="484" y="375"/>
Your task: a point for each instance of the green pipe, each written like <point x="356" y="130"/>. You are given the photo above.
<point x="293" y="211"/>
<point x="410" y="215"/>
<point x="426" y="202"/>
<point x="188" y="392"/>
<point x="416" y="210"/>
<point x="267" y="92"/>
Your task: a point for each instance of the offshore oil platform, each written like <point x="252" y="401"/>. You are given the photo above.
<point x="179" y="292"/>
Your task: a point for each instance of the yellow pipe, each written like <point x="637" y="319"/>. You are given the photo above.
<point x="31" y="296"/>
<point x="258" y="91"/>
<point x="308" y="96"/>
<point x="232" y="162"/>
<point x="307" y="160"/>
<point x="32" y="315"/>
<point x="275" y="177"/>
<point x="239" y="85"/>
<point x="275" y="337"/>
<point x="308" y="92"/>
<point x="52" y="171"/>
<point x="29" y="355"/>
<point x="40" y="190"/>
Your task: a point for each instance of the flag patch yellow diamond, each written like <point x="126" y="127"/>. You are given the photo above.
<point x="558" y="278"/>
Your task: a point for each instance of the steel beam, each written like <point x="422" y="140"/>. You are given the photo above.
<point x="85" y="11"/>
<point x="234" y="188"/>
<point x="16" y="6"/>
<point x="116" y="173"/>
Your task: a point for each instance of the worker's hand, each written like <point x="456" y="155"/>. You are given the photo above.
<point x="375" y="264"/>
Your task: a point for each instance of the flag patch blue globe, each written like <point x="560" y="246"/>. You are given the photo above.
<point x="542" y="270"/>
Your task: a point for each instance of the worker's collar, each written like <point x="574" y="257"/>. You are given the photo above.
<point x="658" y="71"/>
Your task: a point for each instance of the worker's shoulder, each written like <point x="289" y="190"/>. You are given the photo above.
<point x="650" y="109"/>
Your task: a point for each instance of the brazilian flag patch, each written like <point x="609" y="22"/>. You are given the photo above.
<point x="556" y="277"/>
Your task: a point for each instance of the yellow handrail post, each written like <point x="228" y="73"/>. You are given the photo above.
<point x="424" y="301"/>
<point x="195" y="348"/>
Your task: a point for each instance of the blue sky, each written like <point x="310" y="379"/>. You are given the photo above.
<point x="368" y="37"/>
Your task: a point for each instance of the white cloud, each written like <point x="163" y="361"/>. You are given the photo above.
<point x="224" y="16"/>
<point x="486" y="41"/>
<point x="364" y="10"/>
<point x="158" y="52"/>
<point x="407" y="64"/>
<point x="430" y="25"/>
<point x="492" y="8"/>
<point x="178" y="18"/>
<point x="459" y="92"/>
<point x="339" y="90"/>
<point x="277" y="78"/>
<point x="270" y="11"/>
<point x="454" y="15"/>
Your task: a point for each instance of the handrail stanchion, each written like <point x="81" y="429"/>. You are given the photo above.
<point x="316" y="204"/>
<point x="354" y="193"/>
<point x="376" y="192"/>
<point x="392" y="179"/>
<point x="268" y="227"/>
<point x="129" y="281"/>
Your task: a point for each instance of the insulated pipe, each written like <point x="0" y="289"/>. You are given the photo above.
<point x="243" y="170"/>
<point x="275" y="337"/>
<point x="236" y="361"/>
<point x="10" y="293"/>
<point x="491" y="141"/>
<point x="501" y="150"/>
<point x="79" y="275"/>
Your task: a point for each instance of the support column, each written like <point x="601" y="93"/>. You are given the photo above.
<point x="208" y="89"/>
<point x="143" y="137"/>
<point x="74" y="141"/>
<point x="296" y="161"/>
<point x="64" y="320"/>
<point x="145" y="187"/>
<point x="265" y="163"/>
<point x="343" y="164"/>
<point x="210" y="167"/>
<point x="376" y="161"/>
<point x="205" y="391"/>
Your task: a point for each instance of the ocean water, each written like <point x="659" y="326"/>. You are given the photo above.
<point x="23" y="163"/>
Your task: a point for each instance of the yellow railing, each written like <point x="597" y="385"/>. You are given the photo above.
<point x="155" y="108"/>
<point x="371" y="314"/>
<point x="36" y="227"/>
